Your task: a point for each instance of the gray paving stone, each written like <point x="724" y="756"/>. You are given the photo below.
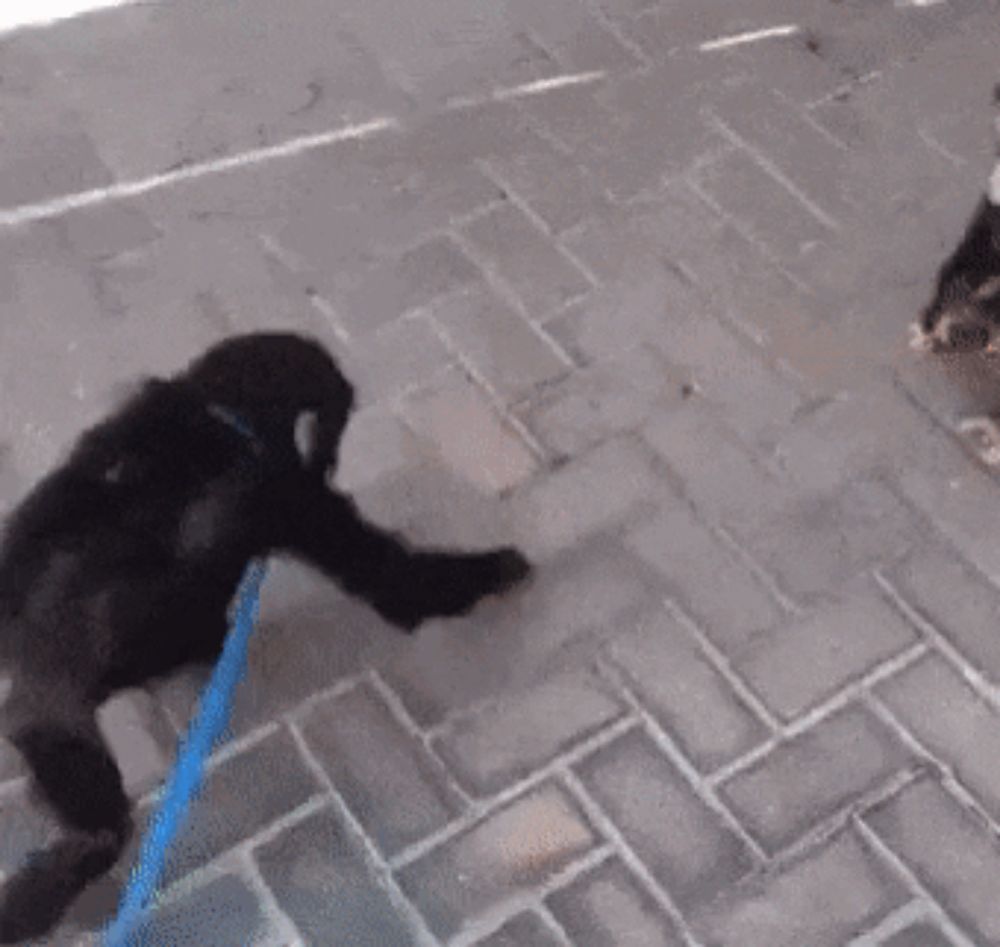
<point x="473" y="55"/>
<point x="509" y="243"/>
<point x="225" y="911"/>
<point x="498" y="342"/>
<point x="107" y="230"/>
<point x="955" y="598"/>
<point x="691" y="22"/>
<point x="812" y="160"/>
<point x="571" y="606"/>
<point x="522" y="929"/>
<point x="957" y="496"/>
<point x="382" y="772"/>
<point x="510" y="851"/>
<point x="631" y="310"/>
<point x="241" y="87"/>
<point x="603" y="399"/>
<point x="723" y="368"/>
<point x="821" y="540"/>
<point x="947" y="849"/>
<point x="492" y="747"/>
<point x="556" y="188"/>
<point x="733" y="275"/>
<point x="47" y="155"/>
<point x="355" y="208"/>
<point x="606" y="907"/>
<point x="726" y="371"/>
<point x="321" y="881"/>
<point x="397" y="357"/>
<point x="589" y="494"/>
<point x="241" y="796"/>
<point x="957" y="726"/>
<point x="572" y="119"/>
<point x="575" y="37"/>
<point x="920" y="934"/>
<point x="203" y="273"/>
<point x="309" y="636"/>
<point x="807" y="660"/>
<point x="638" y="162"/>
<point x="456" y="421"/>
<point x="688" y="696"/>
<point x="611" y="242"/>
<point x="404" y="284"/>
<point x="727" y="481"/>
<point x="814" y="776"/>
<point x="768" y="212"/>
<point x="446" y="144"/>
<point x="706" y="578"/>
<point x="822" y="899"/>
<point x="868" y="428"/>
<point x="679" y="838"/>
<point x="653" y="136"/>
<point x="630" y="135"/>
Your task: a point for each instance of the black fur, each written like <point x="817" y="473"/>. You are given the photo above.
<point x="120" y="565"/>
<point x="965" y="312"/>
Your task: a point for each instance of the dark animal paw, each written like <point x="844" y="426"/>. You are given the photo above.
<point x="450" y="584"/>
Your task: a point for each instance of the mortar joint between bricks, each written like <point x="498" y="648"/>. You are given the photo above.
<point x="483" y="808"/>
<point x="747" y="234"/>
<point x="821" y="833"/>
<point x="913" y="912"/>
<point x="878" y="708"/>
<point x="271" y="909"/>
<point x="523" y="432"/>
<point x="378" y="867"/>
<point x="314" y="804"/>
<point x="533" y="900"/>
<point x="702" y="788"/>
<point x="855" y="689"/>
<point x="717" y="659"/>
<point x="768" y="582"/>
<point x="937" y="640"/>
<point x="604" y="824"/>
<point x="423" y="738"/>
<point x="910" y="880"/>
<point x="500" y="285"/>
<point x="942" y="770"/>
<point x="233" y="747"/>
<point x="296" y="714"/>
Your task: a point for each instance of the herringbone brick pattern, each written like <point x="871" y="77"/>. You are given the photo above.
<point x="628" y="287"/>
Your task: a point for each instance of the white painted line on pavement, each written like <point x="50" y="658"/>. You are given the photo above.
<point x="741" y="39"/>
<point x="535" y="87"/>
<point x="27" y="213"/>
<point x="17" y="13"/>
<point x="538" y="86"/>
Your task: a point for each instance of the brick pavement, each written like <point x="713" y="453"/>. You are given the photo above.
<point x="631" y="291"/>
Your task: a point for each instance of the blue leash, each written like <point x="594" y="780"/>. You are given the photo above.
<point x="185" y="779"/>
